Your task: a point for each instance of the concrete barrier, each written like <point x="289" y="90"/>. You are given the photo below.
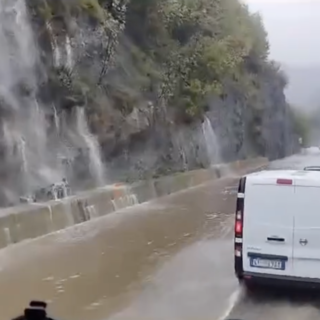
<point x="37" y="219"/>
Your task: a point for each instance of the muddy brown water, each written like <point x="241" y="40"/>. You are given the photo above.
<point x="167" y="259"/>
<point x="99" y="269"/>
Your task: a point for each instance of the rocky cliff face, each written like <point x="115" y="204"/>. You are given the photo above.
<point x="68" y="66"/>
<point x="262" y="125"/>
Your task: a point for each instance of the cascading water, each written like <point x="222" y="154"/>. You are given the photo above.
<point x="56" y="119"/>
<point x="54" y="45"/>
<point x="35" y="150"/>
<point x="95" y="164"/>
<point x="69" y="54"/>
<point x="22" y="149"/>
<point x="62" y="56"/>
<point x="211" y="142"/>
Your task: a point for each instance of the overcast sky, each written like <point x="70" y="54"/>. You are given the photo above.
<point x="294" y="29"/>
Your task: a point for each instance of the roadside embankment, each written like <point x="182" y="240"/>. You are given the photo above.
<point x="34" y="220"/>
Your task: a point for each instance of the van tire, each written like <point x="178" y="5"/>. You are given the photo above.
<point x="239" y="277"/>
<point x="248" y="286"/>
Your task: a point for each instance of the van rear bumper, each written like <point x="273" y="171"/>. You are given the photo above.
<point x="282" y="281"/>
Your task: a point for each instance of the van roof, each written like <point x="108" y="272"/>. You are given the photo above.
<point x="297" y="176"/>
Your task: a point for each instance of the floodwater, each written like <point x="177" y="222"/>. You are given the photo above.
<point x="167" y="259"/>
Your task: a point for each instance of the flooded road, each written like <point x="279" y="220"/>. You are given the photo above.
<point x="168" y="259"/>
<point x="172" y="257"/>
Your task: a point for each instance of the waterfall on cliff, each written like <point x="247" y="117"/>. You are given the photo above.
<point x="95" y="166"/>
<point x="35" y="149"/>
<point x="211" y="142"/>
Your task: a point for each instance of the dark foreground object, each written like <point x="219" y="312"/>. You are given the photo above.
<point x="35" y="311"/>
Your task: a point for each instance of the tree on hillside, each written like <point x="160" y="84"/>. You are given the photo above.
<point x="183" y="51"/>
<point x="195" y="45"/>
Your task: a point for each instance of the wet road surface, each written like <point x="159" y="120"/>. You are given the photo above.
<point x="169" y="259"/>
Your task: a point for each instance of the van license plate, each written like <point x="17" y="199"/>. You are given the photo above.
<point x="267" y="264"/>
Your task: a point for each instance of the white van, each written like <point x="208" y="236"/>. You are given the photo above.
<point x="277" y="228"/>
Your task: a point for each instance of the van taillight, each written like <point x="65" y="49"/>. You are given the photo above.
<point x="238" y="228"/>
<point x="238" y="252"/>
<point x="284" y="181"/>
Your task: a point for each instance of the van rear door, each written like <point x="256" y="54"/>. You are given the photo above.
<point x="268" y="226"/>
<point x="306" y="254"/>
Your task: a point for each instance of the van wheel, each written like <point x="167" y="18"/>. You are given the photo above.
<point x="240" y="277"/>
<point x="248" y="286"/>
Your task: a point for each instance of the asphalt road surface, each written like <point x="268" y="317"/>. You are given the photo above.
<point x="167" y="259"/>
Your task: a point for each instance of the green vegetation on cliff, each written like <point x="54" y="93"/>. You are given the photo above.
<point x="145" y="66"/>
<point x="184" y="50"/>
<point x="187" y="49"/>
